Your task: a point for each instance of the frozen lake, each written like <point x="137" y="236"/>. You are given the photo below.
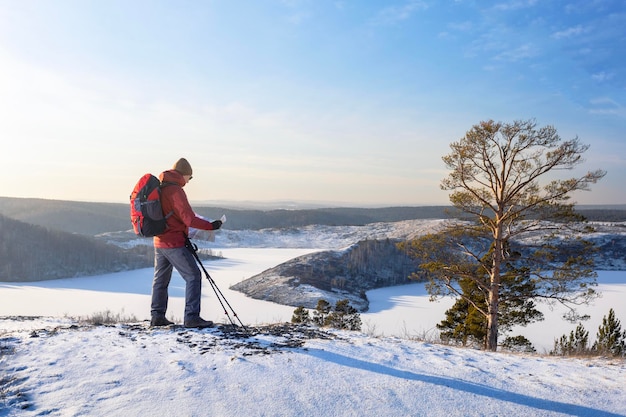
<point x="403" y="311"/>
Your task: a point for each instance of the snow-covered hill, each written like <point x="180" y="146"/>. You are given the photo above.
<point x="57" y="367"/>
<point x="315" y="236"/>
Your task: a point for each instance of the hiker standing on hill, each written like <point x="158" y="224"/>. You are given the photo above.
<point x="170" y="251"/>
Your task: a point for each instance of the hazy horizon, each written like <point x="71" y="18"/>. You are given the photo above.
<point x="292" y="204"/>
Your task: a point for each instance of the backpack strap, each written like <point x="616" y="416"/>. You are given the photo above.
<point x="163" y="185"/>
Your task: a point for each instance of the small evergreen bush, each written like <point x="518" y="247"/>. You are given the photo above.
<point x="610" y="340"/>
<point x="343" y="316"/>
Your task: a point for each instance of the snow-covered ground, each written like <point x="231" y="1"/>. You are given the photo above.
<point x="50" y="367"/>
<point x="135" y="371"/>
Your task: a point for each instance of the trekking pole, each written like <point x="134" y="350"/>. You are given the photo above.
<point x="220" y="297"/>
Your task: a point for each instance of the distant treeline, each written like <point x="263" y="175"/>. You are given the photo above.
<point x="95" y="218"/>
<point x="604" y="215"/>
<point x="34" y="253"/>
<point x="340" y="216"/>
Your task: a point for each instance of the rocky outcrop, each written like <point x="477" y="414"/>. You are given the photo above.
<point x="333" y="275"/>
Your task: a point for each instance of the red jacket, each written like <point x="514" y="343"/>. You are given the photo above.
<point x="174" y="200"/>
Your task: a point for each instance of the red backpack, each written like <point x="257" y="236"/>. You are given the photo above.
<point x="146" y="213"/>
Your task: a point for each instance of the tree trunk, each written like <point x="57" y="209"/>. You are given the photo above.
<point x="494" y="294"/>
<point x="492" y="320"/>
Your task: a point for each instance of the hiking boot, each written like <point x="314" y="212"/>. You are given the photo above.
<point x="198" y="323"/>
<point x="158" y="321"/>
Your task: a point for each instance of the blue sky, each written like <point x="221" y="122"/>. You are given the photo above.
<point x="351" y="102"/>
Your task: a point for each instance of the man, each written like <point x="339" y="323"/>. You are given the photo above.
<point x="170" y="251"/>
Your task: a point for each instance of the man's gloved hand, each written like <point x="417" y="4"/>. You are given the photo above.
<point x="216" y="224"/>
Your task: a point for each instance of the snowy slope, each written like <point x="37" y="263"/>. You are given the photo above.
<point x="130" y="370"/>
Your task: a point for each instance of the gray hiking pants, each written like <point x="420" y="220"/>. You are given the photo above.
<point x="184" y="262"/>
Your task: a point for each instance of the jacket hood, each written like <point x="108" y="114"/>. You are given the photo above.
<point x="172" y="176"/>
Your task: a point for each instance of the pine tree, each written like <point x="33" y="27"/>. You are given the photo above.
<point x="610" y="340"/>
<point x="353" y="322"/>
<point x="321" y="312"/>
<point x="518" y="344"/>
<point x="464" y="323"/>
<point x="344" y="317"/>
<point x="502" y="181"/>
<point x="301" y="316"/>
<point x="576" y="344"/>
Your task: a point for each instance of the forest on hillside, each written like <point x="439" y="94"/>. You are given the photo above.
<point x="34" y="253"/>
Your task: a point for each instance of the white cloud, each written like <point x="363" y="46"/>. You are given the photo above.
<point x="607" y="106"/>
<point x="461" y="26"/>
<point x="570" y="32"/>
<point x="394" y="14"/>
<point x="602" y="76"/>
<point x="515" y="5"/>
<point x="520" y="53"/>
